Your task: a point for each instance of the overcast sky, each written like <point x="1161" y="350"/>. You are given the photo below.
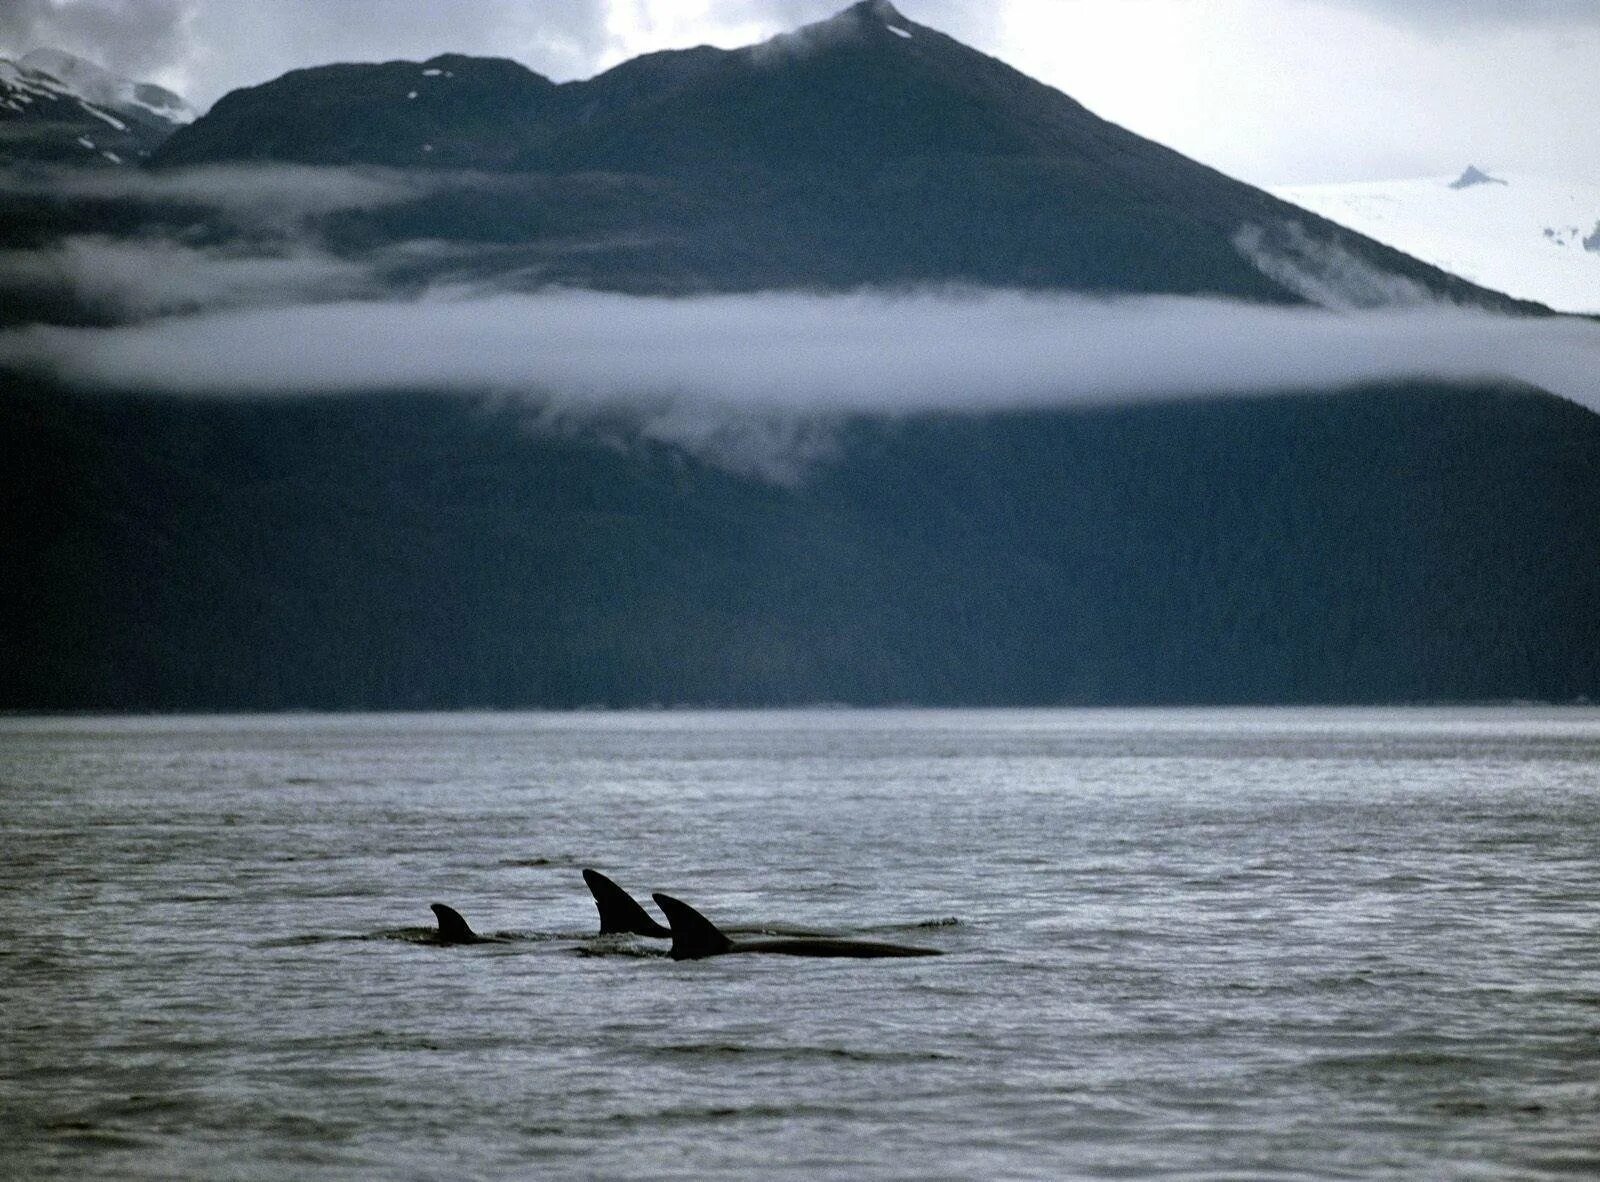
<point x="1273" y="91"/>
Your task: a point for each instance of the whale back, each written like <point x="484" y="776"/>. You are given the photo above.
<point x="453" y="929"/>
<point x="619" y="912"/>
<point x="693" y="935"/>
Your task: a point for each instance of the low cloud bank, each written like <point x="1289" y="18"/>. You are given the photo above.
<point x="813" y="354"/>
<point x="135" y="279"/>
<point x="755" y="383"/>
<point x="276" y="196"/>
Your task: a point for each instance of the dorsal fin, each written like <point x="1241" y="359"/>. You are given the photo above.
<point x="618" y="910"/>
<point x="452" y="928"/>
<point x="693" y="935"/>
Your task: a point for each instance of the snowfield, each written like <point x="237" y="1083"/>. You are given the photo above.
<point x="1537" y="238"/>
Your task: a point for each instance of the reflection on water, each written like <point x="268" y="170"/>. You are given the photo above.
<point x="1187" y="943"/>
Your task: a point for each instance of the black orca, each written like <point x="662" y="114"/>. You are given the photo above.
<point x="618" y="910"/>
<point x="453" y="929"/>
<point x="695" y="937"/>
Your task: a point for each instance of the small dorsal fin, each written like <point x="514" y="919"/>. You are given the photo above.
<point x="453" y="929"/>
<point x="693" y="935"/>
<point x="619" y="912"/>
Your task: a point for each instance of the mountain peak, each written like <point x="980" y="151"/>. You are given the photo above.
<point x="95" y="83"/>
<point x="59" y="108"/>
<point x="865" y="15"/>
<point x="1475" y="176"/>
<point x="66" y="67"/>
<point x="879" y="10"/>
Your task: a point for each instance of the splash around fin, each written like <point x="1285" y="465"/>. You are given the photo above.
<point x="694" y="937"/>
<point x="619" y="912"/>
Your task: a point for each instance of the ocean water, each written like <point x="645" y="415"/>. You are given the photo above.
<point x="1178" y="944"/>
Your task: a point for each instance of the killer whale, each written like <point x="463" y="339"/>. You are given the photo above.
<point x="695" y="937"/>
<point x="454" y="929"/>
<point x="692" y="935"/>
<point x="619" y="911"/>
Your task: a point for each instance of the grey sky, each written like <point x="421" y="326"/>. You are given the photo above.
<point x="1273" y="91"/>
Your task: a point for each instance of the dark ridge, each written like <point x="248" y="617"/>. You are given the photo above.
<point x="1402" y="544"/>
<point x="364" y="114"/>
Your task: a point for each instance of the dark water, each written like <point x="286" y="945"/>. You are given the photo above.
<point x="1190" y="944"/>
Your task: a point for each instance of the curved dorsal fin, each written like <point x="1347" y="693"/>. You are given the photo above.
<point x="618" y="910"/>
<point x="693" y="935"/>
<point x="452" y="928"/>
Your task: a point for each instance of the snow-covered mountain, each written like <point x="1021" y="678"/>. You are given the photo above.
<point x="1537" y="238"/>
<point x="60" y="108"/>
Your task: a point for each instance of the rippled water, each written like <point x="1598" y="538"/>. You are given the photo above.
<point x="1216" y="944"/>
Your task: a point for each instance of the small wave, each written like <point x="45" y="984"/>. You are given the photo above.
<point x="1351" y="980"/>
<point x="917" y="925"/>
<point x="638" y="951"/>
<point x="1581" y="1165"/>
<point x="1379" y="1063"/>
<point x="405" y="935"/>
<point x="82" y="1134"/>
<point x="782" y="929"/>
<point x="719" y="1050"/>
<point x="371" y="1041"/>
<point x="430" y="936"/>
<point x="592" y="945"/>
<point x="313" y="938"/>
<point x="564" y="861"/>
<point x="715" y="1112"/>
<point x="1464" y="1106"/>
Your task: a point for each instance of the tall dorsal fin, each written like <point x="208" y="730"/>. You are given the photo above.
<point x="452" y="928"/>
<point x="693" y="935"/>
<point x="618" y="910"/>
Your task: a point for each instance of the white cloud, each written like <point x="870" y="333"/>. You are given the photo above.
<point x="1451" y="15"/>
<point x="269" y="196"/>
<point x="1304" y="91"/>
<point x="814" y="354"/>
<point x="138" y="279"/>
<point x="1323" y="273"/>
<point x="142" y="39"/>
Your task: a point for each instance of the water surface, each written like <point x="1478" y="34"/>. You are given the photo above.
<point x="1189" y="944"/>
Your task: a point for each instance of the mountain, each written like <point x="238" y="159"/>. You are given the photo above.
<point x="59" y="108"/>
<point x="865" y="149"/>
<point x="1537" y="238"/>
<point x="420" y="548"/>
<point x="1398" y="544"/>
<point x="448" y="112"/>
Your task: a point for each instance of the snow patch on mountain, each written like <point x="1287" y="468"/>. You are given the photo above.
<point x="1537" y="238"/>
<point x="53" y="104"/>
<point x="95" y="84"/>
<point x="99" y="114"/>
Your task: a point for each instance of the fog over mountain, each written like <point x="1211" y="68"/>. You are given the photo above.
<point x="673" y="361"/>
